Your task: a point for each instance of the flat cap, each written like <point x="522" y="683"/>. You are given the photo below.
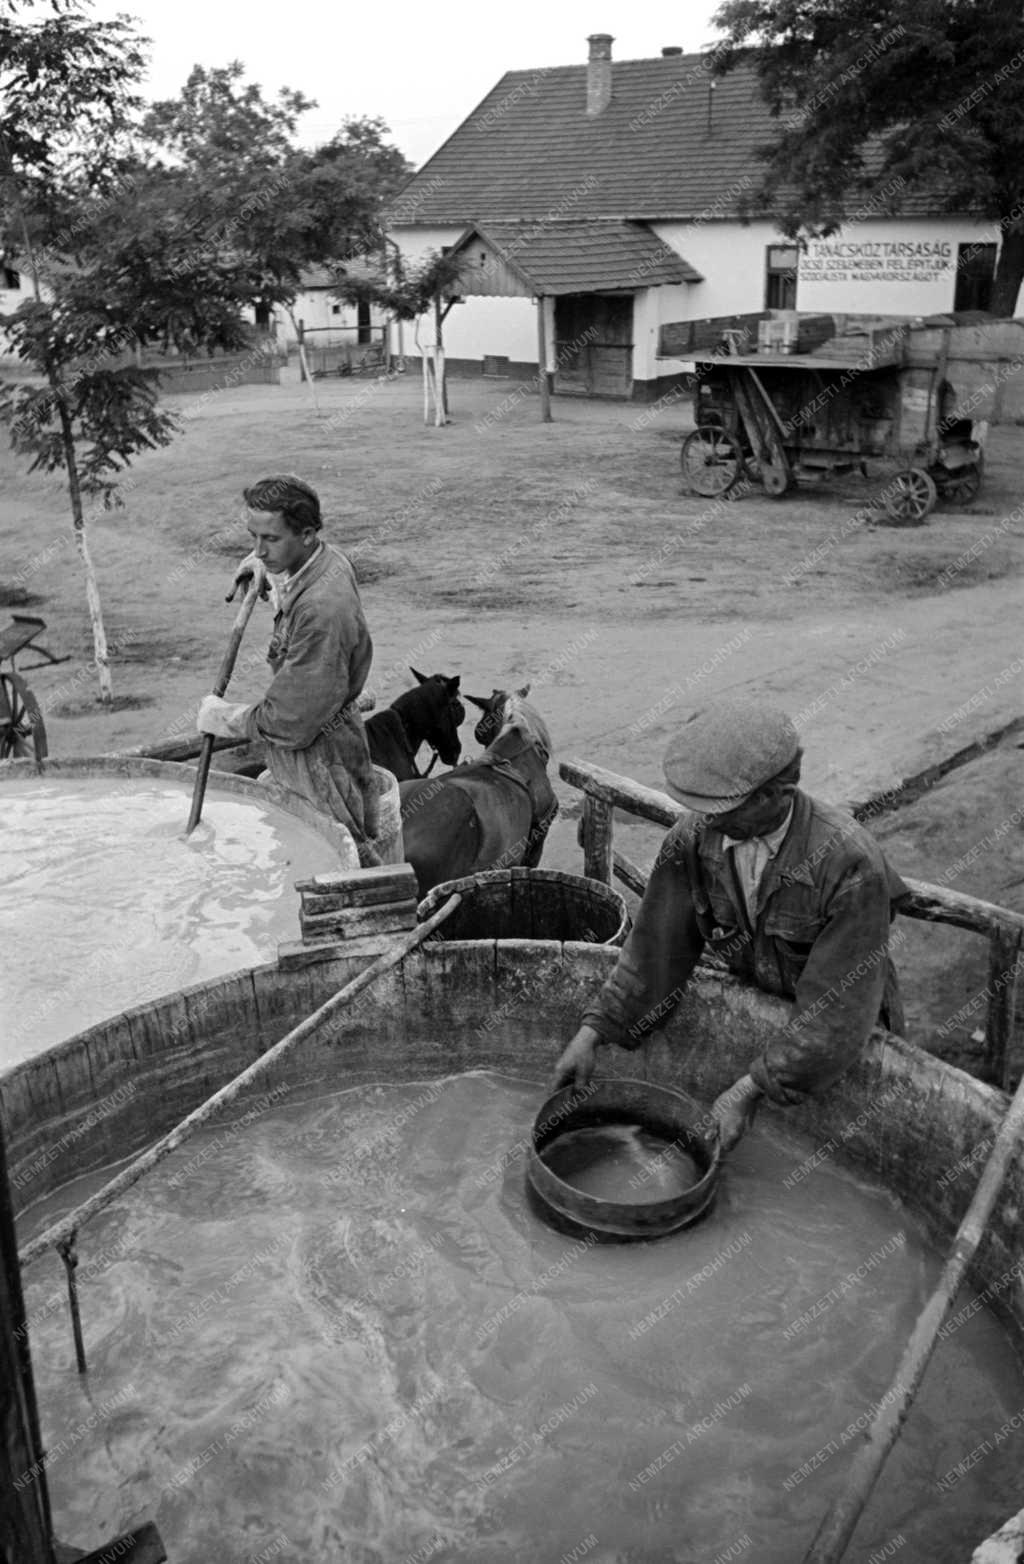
<point x="722" y="753"/>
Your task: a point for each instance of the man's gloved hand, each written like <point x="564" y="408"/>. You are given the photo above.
<point x="734" y="1111"/>
<point x="250" y="567"/>
<point x="224" y="719"/>
<point x="576" y="1064"/>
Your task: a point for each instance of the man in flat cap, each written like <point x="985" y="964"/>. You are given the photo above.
<point x="790" y="893"/>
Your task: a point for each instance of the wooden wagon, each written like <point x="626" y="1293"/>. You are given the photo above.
<point x="786" y="397"/>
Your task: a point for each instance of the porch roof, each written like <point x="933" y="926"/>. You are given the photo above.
<point x="603" y="255"/>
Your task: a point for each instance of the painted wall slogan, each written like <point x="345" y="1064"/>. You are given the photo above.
<point x="876" y="260"/>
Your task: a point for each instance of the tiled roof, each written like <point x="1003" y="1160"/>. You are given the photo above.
<point x="583" y="257"/>
<point x="328" y="276"/>
<point x="657" y="150"/>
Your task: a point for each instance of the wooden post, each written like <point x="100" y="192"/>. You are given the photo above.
<point x="597" y="839"/>
<point x="25" y="1527"/>
<point x="1004" y="961"/>
<point x="542" y="364"/>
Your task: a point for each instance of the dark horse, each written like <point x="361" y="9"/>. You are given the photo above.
<point x="492" y="813"/>
<point x="429" y="714"/>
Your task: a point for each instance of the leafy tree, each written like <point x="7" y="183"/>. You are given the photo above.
<point x="877" y="98"/>
<point x="109" y="270"/>
<point x="155" y="235"/>
<point x="225" y="155"/>
<point x="409" y="293"/>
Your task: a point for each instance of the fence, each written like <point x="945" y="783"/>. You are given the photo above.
<point x="339" y="352"/>
<point x="605" y="791"/>
<point x="257" y="366"/>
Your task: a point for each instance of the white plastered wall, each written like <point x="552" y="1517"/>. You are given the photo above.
<point x="480" y="326"/>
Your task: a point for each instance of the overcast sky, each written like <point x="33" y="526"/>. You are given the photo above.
<point x="420" y="67"/>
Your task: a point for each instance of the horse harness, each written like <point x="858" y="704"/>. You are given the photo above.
<point x="417" y="773"/>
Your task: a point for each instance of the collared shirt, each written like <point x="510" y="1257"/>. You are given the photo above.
<point x="281" y="587"/>
<point x="752" y="857"/>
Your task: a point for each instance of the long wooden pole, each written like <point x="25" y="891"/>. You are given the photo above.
<point x="60" y="1231"/>
<point x="542" y="364"/>
<point x="833" y="1535"/>
<point x="227" y="668"/>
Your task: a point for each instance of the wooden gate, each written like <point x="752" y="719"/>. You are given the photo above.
<point x="594" y="344"/>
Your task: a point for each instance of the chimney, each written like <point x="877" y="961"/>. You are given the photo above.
<point x="599" y="72"/>
<point x="670" y="52"/>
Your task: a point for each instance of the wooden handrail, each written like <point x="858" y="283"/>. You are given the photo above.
<point x="621" y="792"/>
<point x="936" y="904"/>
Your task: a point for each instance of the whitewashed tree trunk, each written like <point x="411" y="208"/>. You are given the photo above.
<point x="92" y="591"/>
<point x="440" y="411"/>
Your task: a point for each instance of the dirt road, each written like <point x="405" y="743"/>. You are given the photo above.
<point x="565" y="555"/>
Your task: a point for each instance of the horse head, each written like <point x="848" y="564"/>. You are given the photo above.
<point x="495" y="712"/>
<point x="433" y="713"/>
<point x="522" y="728"/>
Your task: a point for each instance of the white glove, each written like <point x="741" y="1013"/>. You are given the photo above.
<point x="224" y="719"/>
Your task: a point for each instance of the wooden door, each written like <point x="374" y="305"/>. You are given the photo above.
<point x="594" y="344"/>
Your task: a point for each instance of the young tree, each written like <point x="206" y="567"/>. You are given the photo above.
<point x="409" y="294"/>
<point x="66" y="92"/>
<point x="127" y="251"/>
<point x="890" y="96"/>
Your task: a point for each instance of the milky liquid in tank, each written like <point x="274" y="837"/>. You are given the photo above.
<point x="105" y="903"/>
<point x="344" y="1327"/>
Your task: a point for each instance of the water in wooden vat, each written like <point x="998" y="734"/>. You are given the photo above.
<point x="338" y="1333"/>
<point x="105" y="903"/>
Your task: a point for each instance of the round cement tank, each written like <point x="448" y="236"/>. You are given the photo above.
<point x="105" y="902"/>
<point x="898" y="1116"/>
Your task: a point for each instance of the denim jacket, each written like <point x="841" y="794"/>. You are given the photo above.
<point x="820" y="935"/>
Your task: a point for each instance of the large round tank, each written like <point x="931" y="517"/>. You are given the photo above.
<point x="898" y="1115"/>
<point x="105" y="903"/>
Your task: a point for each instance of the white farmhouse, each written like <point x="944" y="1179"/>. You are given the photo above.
<point x="594" y="203"/>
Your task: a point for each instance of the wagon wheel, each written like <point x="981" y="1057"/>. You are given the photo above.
<point x="960" y="487"/>
<point x="910" y="496"/>
<point x="712" y="462"/>
<point x="22" y="730"/>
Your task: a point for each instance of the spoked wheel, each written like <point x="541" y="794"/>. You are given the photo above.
<point x="960" y="487"/>
<point x="910" y="496"/>
<point x="22" y="730"/>
<point x="712" y="462"/>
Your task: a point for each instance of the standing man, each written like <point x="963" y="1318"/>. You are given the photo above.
<point x="320" y="653"/>
<point x="790" y="893"/>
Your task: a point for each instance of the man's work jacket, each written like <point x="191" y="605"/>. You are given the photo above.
<point x="819" y="935"/>
<point x="320" y="653"/>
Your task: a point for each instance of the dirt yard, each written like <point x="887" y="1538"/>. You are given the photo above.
<point x="567" y="555"/>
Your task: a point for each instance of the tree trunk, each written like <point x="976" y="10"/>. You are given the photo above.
<point x="1009" y="274"/>
<point x="92" y="591"/>
<point x="440" y="381"/>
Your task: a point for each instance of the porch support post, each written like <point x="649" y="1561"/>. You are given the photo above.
<point x="542" y="364"/>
